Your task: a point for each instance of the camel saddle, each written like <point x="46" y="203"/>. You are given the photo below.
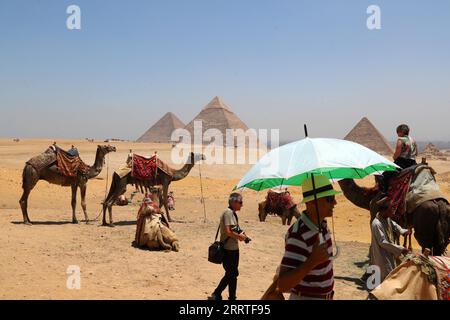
<point x="411" y="187"/>
<point x="42" y="161"/>
<point x="278" y="201"/>
<point x="68" y="163"/>
<point x="146" y="168"/>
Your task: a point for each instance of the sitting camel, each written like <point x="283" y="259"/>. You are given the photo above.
<point x="280" y="203"/>
<point x="152" y="230"/>
<point x="419" y="277"/>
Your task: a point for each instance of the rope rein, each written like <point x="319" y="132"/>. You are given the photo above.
<point x="202" y="199"/>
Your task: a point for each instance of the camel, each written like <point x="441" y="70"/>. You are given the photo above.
<point x="418" y="277"/>
<point x="119" y="185"/>
<point x="430" y="219"/>
<point x="284" y="212"/>
<point x="50" y="173"/>
<point x="152" y="230"/>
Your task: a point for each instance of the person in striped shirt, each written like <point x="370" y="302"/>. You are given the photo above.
<point x="306" y="270"/>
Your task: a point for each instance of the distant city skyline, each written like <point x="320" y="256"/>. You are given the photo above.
<point x="277" y="64"/>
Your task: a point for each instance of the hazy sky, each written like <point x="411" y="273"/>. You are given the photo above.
<point x="278" y="64"/>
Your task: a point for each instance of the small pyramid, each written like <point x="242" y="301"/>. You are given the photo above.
<point x="162" y="130"/>
<point x="217" y="115"/>
<point x="367" y="134"/>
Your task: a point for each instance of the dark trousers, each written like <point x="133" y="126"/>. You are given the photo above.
<point x="405" y="163"/>
<point x="230" y="264"/>
<point x="387" y="175"/>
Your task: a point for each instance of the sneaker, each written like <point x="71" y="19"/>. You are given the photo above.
<point x="215" y="296"/>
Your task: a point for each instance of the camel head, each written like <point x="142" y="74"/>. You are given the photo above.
<point x="196" y="157"/>
<point x="105" y="149"/>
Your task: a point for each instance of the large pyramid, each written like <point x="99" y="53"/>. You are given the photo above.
<point x="162" y="130"/>
<point x="366" y="134"/>
<point x="217" y="115"/>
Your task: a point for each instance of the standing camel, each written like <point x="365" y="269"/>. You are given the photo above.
<point x="279" y="203"/>
<point x="50" y="173"/>
<point x="430" y="219"/>
<point x="119" y="185"/>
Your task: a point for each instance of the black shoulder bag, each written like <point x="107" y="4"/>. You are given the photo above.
<point x="216" y="250"/>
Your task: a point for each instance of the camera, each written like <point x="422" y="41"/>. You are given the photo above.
<point x="238" y="230"/>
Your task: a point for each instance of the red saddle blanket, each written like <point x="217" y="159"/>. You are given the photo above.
<point x="144" y="168"/>
<point x="69" y="165"/>
<point x="398" y="188"/>
<point x="279" y="201"/>
<point x="147" y="168"/>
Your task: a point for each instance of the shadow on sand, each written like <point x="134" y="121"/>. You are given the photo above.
<point x="360" y="284"/>
<point x="125" y="223"/>
<point x="45" y="223"/>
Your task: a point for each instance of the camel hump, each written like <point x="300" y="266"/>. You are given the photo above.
<point x="45" y="159"/>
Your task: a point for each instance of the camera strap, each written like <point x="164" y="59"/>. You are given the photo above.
<point x="217" y="233"/>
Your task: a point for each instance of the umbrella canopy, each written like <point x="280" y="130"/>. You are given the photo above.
<point x="292" y="163"/>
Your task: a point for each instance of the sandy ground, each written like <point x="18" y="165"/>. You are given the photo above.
<point x="34" y="259"/>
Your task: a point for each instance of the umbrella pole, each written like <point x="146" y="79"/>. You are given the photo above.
<point x="316" y="203"/>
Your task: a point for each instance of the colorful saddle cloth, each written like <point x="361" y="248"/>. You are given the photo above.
<point x="398" y="188"/>
<point x="147" y="168"/>
<point x="278" y="201"/>
<point x="70" y="165"/>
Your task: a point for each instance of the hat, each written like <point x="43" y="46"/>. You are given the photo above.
<point x="323" y="188"/>
<point x="383" y="203"/>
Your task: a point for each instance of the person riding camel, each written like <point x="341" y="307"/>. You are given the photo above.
<point x="404" y="156"/>
<point x="406" y="149"/>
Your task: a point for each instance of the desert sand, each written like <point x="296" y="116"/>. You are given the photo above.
<point x="34" y="259"/>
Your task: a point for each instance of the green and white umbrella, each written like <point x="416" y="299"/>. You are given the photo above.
<point x="291" y="164"/>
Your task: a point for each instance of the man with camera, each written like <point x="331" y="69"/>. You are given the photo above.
<point x="230" y="235"/>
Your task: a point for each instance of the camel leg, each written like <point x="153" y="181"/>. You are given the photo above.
<point x="29" y="180"/>
<point x="161" y="242"/>
<point x="262" y="212"/>
<point x="83" y="188"/>
<point x="290" y="215"/>
<point x="117" y="194"/>
<point x="74" y="203"/>
<point x="105" y="205"/>
<point x="111" y="222"/>
<point x="283" y="218"/>
<point x="118" y="187"/>
<point x="23" y="205"/>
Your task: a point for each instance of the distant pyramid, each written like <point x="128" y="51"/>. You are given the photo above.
<point x="162" y="130"/>
<point x="217" y="115"/>
<point x="366" y="134"/>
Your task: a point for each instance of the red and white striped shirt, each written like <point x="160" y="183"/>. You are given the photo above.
<point x="300" y="239"/>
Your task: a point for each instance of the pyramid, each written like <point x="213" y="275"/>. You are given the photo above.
<point x="366" y="134"/>
<point x="162" y="130"/>
<point x="217" y="115"/>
